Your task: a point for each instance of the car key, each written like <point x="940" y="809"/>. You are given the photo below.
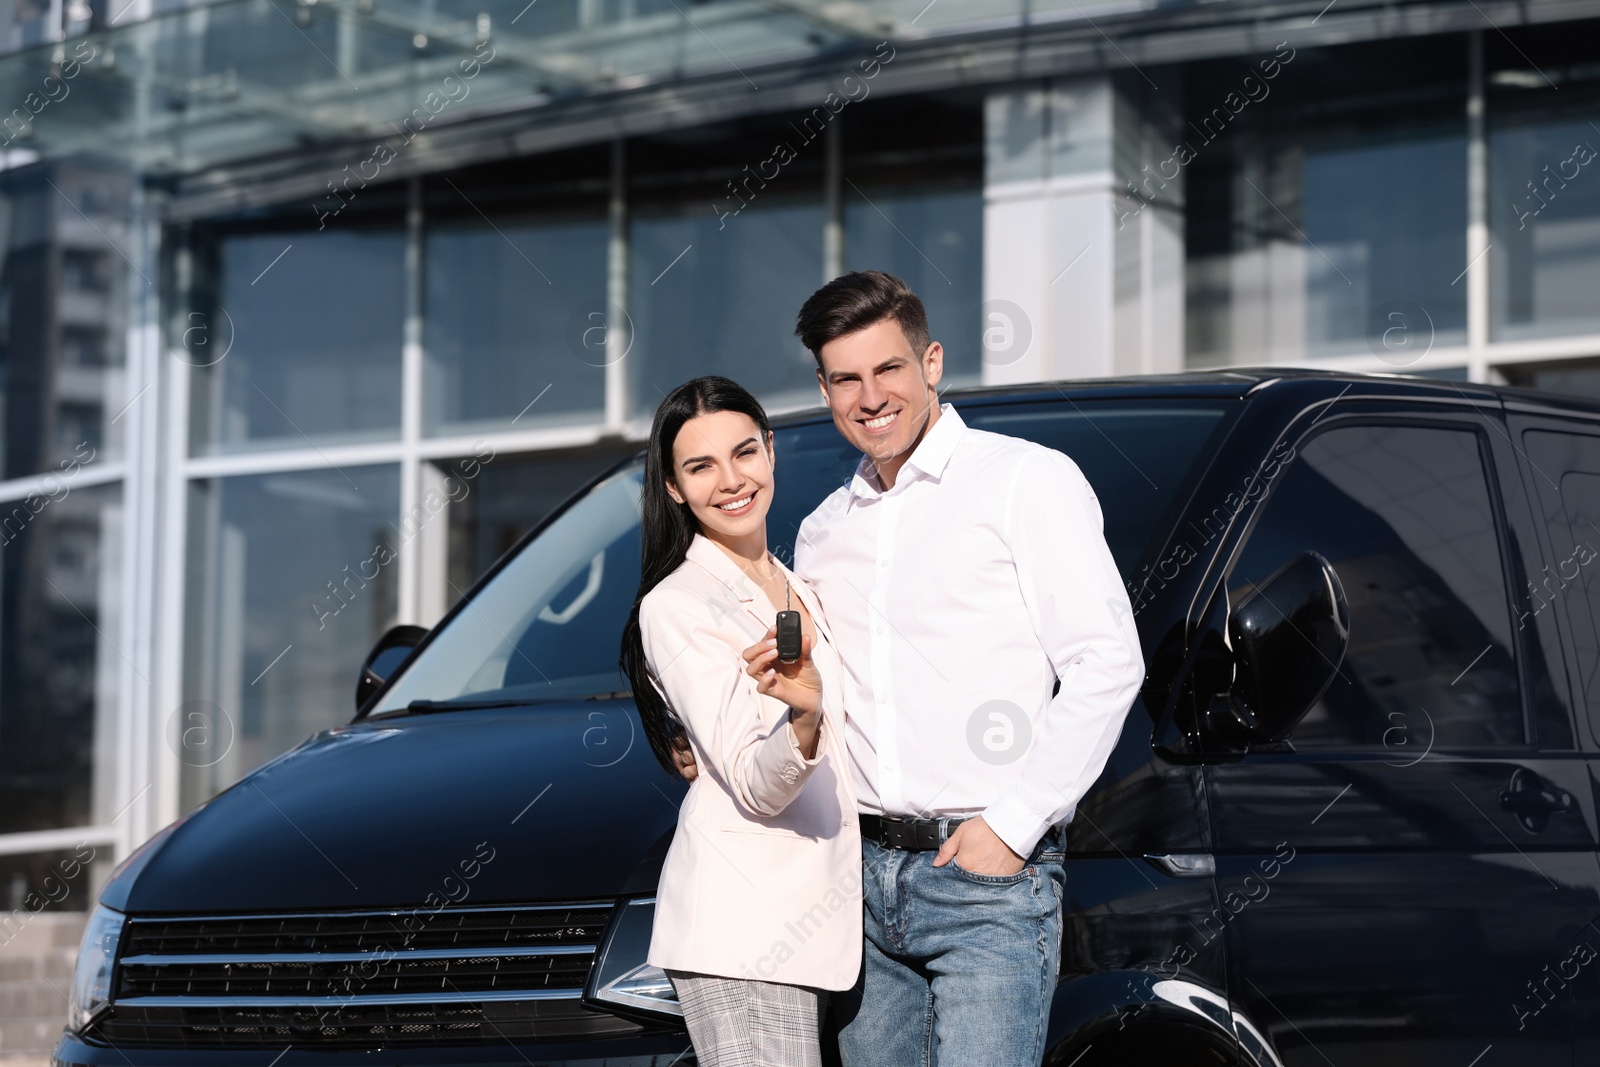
<point x="788" y="631"/>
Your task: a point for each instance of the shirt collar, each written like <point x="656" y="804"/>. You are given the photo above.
<point x="929" y="458"/>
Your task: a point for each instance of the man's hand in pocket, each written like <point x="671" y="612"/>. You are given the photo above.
<point x="979" y="850"/>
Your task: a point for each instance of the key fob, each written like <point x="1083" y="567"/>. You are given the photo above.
<point x="788" y="636"/>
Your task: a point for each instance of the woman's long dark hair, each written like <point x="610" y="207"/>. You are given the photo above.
<point x="667" y="530"/>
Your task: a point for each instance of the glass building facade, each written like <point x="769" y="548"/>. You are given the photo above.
<point x="266" y="390"/>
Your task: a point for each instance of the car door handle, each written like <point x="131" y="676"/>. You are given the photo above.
<point x="1533" y="802"/>
<point x="1184" y="864"/>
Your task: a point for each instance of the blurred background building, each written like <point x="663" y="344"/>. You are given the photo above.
<point x="309" y="308"/>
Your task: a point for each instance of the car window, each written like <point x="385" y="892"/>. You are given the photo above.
<point x="1139" y="457"/>
<point x="1404" y="515"/>
<point x="1572" y="516"/>
<point x="548" y="624"/>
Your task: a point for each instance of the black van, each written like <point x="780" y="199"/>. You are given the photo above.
<point x="1351" y="819"/>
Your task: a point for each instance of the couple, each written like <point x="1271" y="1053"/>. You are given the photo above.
<point x="883" y="817"/>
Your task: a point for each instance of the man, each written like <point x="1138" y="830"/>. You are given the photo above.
<point x="964" y="573"/>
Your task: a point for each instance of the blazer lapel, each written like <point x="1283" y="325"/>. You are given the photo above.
<point x="740" y="589"/>
<point x="745" y="592"/>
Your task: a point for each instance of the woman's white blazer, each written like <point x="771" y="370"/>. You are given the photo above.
<point x="763" y="879"/>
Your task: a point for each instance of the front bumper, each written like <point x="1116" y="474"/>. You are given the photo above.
<point x="655" y="1049"/>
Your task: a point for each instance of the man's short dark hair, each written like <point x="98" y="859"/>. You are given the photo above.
<point x="857" y="300"/>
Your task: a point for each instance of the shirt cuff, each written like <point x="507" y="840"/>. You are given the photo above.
<point x="1014" y="824"/>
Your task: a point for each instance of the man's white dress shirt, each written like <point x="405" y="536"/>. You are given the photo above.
<point x="956" y="599"/>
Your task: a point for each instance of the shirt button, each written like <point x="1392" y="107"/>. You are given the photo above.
<point x="883" y="699"/>
<point x="878" y="630"/>
<point x="883" y="563"/>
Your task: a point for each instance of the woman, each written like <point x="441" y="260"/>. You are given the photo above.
<point x="759" y="907"/>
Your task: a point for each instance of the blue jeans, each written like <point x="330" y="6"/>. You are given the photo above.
<point x="959" y="968"/>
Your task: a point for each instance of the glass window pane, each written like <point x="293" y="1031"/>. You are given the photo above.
<point x="1572" y="512"/>
<point x="62" y="652"/>
<point x="303" y="343"/>
<point x="1544" y="189"/>
<point x="913" y="206"/>
<point x="720" y="297"/>
<point x="1576" y="377"/>
<point x="1386" y="227"/>
<point x="509" y="497"/>
<point x="1404" y="515"/>
<point x="291" y="578"/>
<point x="1544" y="206"/>
<point x="1329" y="217"/>
<point x="64" y="294"/>
<point x="61" y="880"/>
<point x="932" y="238"/>
<point x="516" y="313"/>
<point x="550" y="623"/>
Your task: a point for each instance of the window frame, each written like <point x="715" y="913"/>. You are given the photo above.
<point x="1384" y="414"/>
<point x="1525" y="419"/>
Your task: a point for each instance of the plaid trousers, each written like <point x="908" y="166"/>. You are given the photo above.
<point x="737" y="1022"/>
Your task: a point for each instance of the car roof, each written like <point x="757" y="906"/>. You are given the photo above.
<point x="1241" y="382"/>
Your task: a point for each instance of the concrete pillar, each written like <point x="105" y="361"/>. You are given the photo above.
<point x="1083" y="269"/>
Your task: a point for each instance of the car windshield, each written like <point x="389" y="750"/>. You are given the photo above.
<point x="549" y="623"/>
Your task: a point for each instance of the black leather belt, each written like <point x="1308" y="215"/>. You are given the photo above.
<point x="911" y="835"/>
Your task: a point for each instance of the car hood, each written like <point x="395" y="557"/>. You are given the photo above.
<point x="548" y="802"/>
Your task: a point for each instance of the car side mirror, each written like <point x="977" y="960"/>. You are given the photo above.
<point x="1289" y="636"/>
<point x="392" y="649"/>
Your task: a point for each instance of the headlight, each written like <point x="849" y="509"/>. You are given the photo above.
<point x="91" y="980"/>
<point x="622" y="978"/>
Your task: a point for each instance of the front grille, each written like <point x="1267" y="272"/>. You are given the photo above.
<point x="458" y="975"/>
<point x="351" y="974"/>
<point x="369" y="931"/>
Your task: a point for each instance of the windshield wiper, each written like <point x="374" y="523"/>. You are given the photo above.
<point x="425" y="706"/>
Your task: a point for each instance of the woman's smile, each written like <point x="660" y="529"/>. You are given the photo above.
<point x="739" y="506"/>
